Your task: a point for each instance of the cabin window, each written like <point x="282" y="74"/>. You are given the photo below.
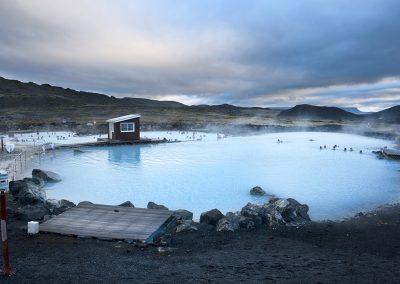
<point x="127" y="127"/>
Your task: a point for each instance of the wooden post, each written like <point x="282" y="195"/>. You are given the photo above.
<point x="15" y="168"/>
<point x="6" y="258"/>
<point x="2" y="144"/>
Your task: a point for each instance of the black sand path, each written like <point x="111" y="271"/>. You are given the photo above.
<point x="364" y="249"/>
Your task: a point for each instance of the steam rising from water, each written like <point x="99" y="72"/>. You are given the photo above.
<point x="201" y="175"/>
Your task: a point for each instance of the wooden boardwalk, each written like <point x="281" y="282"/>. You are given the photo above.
<point x="391" y="153"/>
<point x="108" y="222"/>
<point x="114" y="143"/>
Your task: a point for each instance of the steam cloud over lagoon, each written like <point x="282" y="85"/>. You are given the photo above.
<point x="263" y="53"/>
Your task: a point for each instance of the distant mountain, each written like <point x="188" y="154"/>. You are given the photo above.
<point x="230" y="109"/>
<point x="355" y="110"/>
<point x="141" y="102"/>
<point x="317" y="112"/>
<point x="14" y="93"/>
<point x="41" y="99"/>
<point x="390" y="115"/>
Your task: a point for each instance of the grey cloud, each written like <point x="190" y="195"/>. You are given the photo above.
<point x="243" y="52"/>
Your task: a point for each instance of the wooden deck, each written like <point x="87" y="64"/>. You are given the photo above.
<point x="108" y="222"/>
<point x="391" y="153"/>
<point x="113" y="143"/>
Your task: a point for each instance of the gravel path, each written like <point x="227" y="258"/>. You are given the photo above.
<point x="363" y="249"/>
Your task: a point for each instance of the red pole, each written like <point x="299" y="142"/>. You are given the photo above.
<point x="6" y="258"/>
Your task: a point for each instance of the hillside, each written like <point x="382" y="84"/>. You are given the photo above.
<point x="355" y="110"/>
<point x="317" y="113"/>
<point x="390" y="115"/>
<point x="17" y="94"/>
<point x="29" y="105"/>
<point x="232" y="110"/>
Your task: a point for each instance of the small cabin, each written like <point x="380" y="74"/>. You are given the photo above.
<point x="124" y="128"/>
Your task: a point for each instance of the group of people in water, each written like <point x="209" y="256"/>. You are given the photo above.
<point x="41" y="136"/>
<point x="335" y="147"/>
<point x="189" y="135"/>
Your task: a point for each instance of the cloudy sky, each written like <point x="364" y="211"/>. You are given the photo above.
<point x="264" y="53"/>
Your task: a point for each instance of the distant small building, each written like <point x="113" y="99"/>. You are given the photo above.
<point x="124" y="128"/>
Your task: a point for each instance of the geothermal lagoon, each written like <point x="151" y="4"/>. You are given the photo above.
<point x="218" y="173"/>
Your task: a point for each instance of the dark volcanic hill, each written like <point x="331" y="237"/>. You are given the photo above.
<point x="30" y="105"/>
<point x="14" y="93"/>
<point x="231" y="109"/>
<point x="355" y="110"/>
<point x="390" y="115"/>
<point x="27" y="105"/>
<point x="317" y="112"/>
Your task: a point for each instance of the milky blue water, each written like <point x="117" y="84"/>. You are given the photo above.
<point x="201" y="175"/>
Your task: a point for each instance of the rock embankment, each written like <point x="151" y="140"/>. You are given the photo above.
<point x="275" y="212"/>
<point x="29" y="196"/>
<point x="31" y="204"/>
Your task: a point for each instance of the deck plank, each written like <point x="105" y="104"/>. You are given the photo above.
<point x="106" y="221"/>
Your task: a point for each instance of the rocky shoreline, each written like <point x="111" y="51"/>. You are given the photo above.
<point x="29" y="203"/>
<point x="276" y="212"/>
<point x="363" y="249"/>
<point x="275" y="241"/>
<point x="29" y="200"/>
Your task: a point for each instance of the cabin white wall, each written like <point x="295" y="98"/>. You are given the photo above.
<point x="110" y="130"/>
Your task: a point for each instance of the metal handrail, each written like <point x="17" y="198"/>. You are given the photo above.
<point x="20" y="162"/>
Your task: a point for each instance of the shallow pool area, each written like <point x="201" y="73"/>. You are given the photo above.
<point x="218" y="173"/>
